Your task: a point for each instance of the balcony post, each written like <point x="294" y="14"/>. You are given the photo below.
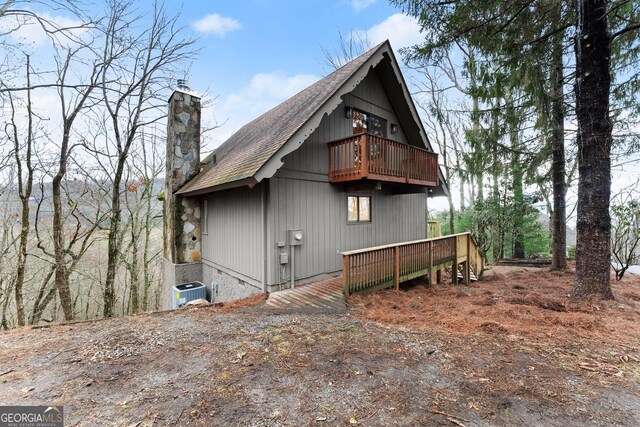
<point x="396" y="267"/>
<point x="364" y="156"/>
<point x="331" y="166"/>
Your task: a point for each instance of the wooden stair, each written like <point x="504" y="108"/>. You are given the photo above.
<point x="472" y="274"/>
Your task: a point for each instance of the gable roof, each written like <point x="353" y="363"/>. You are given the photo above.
<point x="256" y="150"/>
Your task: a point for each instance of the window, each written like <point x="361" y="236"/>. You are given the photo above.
<point x="367" y="122"/>
<point x="377" y="126"/>
<point x="360" y="121"/>
<point x="358" y="209"/>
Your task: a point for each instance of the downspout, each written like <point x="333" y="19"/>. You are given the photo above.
<point x="292" y="249"/>
<point x="263" y="213"/>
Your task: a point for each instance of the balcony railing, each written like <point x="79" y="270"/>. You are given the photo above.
<point x="380" y="267"/>
<point x="366" y="156"/>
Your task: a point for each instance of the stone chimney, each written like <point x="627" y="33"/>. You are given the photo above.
<point x="182" y="239"/>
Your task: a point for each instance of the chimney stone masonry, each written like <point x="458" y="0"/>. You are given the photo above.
<point x="182" y="227"/>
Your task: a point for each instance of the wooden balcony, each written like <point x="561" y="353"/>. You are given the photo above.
<point x="366" y="156"/>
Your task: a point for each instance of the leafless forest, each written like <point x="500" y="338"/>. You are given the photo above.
<point x="82" y="157"/>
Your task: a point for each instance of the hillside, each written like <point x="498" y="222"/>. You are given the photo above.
<point x="511" y="350"/>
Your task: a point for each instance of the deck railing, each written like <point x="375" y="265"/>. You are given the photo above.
<point x="373" y="157"/>
<point x="389" y="265"/>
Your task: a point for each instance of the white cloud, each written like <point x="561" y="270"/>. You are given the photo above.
<point x="216" y="24"/>
<point x="264" y="91"/>
<point x="400" y="29"/>
<point x="359" y="5"/>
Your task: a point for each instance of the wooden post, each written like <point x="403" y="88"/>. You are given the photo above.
<point x="439" y="276"/>
<point x="396" y="267"/>
<point x="364" y="156"/>
<point x="467" y="265"/>
<point x="430" y="262"/>
<point x="345" y="275"/>
<point x="454" y="269"/>
<point x="331" y="162"/>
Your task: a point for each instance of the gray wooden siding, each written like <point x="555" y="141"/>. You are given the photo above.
<point x="234" y="238"/>
<point x="320" y="209"/>
<point x="369" y="96"/>
<point x="300" y="196"/>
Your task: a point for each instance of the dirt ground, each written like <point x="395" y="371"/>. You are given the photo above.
<point x="510" y="350"/>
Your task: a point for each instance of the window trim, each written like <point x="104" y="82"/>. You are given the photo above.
<point x="358" y="196"/>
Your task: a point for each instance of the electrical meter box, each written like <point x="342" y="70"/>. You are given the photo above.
<point x="296" y="237"/>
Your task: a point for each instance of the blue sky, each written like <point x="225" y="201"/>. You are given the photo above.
<point x="257" y="53"/>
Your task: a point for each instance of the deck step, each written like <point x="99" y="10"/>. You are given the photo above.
<point x="472" y="274"/>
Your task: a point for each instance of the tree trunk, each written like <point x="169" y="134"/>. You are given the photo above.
<point x="593" y="85"/>
<point x="518" y="195"/>
<point x="133" y="267"/>
<point x="113" y="245"/>
<point x="558" y="219"/>
<point x="58" y="244"/>
<point x="478" y="158"/>
<point x="496" y="208"/>
<point x="25" y="186"/>
<point x="60" y="276"/>
<point x="516" y="211"/>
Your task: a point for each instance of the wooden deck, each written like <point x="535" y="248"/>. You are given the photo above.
<point x="319" y="297"/>
<point x="366" y="156"/>
<point x="369" y="269"/>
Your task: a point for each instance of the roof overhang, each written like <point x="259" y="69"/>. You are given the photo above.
<point x="248" y="182"/>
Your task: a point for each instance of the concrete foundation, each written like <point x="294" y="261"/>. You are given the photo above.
<point x="229" y="287"/>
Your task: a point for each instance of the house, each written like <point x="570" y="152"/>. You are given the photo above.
<point x="344" y="164"/>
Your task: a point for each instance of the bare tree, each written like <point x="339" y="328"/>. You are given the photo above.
<point x="22" y="151"/>
<point x="131" y="94"/>
<point x="625" y="230"/>
<point x="110" y="76"/>
<point x="144" y="214"/>
<point x="349" y="47"/>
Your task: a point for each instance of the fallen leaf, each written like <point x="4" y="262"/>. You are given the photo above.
<point x="353" y="421"/>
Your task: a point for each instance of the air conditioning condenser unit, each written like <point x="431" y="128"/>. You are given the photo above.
<point x="186" y="292"/>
